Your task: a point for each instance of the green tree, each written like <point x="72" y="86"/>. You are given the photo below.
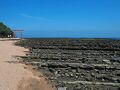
<point x="5" y="31"/>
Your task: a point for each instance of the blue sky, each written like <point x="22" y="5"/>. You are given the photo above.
<point x="62" y="18"/>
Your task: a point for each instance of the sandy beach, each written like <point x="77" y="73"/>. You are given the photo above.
<point x="13" y="75"/>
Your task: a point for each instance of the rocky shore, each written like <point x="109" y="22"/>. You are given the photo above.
<point x="76" y="64"/>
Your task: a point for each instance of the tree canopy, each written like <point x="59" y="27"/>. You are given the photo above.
<point x="5" y="31"/>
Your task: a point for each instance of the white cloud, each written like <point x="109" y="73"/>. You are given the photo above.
<point x="33" y="17"/>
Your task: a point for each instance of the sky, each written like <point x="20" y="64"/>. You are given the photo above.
<point x="63" y="18"/>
